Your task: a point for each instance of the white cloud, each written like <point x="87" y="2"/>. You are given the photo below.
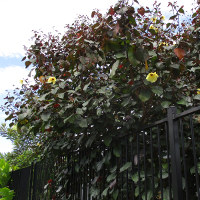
<point x="22" y="16"/>
<point x="2" y="117"/>
<point x="5" y="145"/>
<point x="19" y="18"/>
<point x="11" y="76"/>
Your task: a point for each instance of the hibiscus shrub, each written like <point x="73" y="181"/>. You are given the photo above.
<point x="107" y="76"/>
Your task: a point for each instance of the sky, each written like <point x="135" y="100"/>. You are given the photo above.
<point x="20" y="17"/>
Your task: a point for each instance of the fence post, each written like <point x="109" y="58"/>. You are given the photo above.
<point x="31" y="181"/>
<point x="175" y="154"/>
<point x="35" y="174"/>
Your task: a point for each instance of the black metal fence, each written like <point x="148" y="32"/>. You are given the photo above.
<point x="28" y="183"/>
<point x="160" y="161"/>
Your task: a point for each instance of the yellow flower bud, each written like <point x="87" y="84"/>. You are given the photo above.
<point x="146" y="65"/>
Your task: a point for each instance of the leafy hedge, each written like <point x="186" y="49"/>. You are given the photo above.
<point x="107" y="76"/>
<point x="5" y="192"/>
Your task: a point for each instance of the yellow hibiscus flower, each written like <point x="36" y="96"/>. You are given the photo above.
<point x="163" y="44"/>
<point x="152" y="77"/>
<point x="198" y="91"/>
<point x="162" y="18"/>
<point x="38" y="144"/>
<point x="154" y="19"/>
<point x="151" y="27"/>
<point x="21" y="81"/>
<point x="154" y="28"/>
<point x="52" y="80"/>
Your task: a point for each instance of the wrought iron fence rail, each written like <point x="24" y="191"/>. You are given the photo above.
<point x="187" y="112"/>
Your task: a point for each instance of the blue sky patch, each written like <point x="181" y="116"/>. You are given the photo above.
<point x="11" y="61"/>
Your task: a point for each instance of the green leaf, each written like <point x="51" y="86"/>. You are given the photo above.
<point x="166" y="194"/>
<point x="6" y="193"/>
<point x="111" y="177"/>
<point x="193" y="69"/>
<point x="62" y="84"/>
<point x="194" y="15"/>
<point x="45" y="116"/>
<point x="107" y="140"/>
<point x="152" y="54"/>
<point x="79" y="111"/>
<point x="181" y="10"/>
<point x="175" y="66"/>
<point x="90" y="141"/>
<point x="9" y="117"/>
<point x="89" y="41"/>
<point x="165" y="104"/>
<point x="86" y="103"/>
<point x="182" y="102"/>
<point x="141" y="54"/>
<point x="112" y="170"/>
<point x="86" y="87"/>
<point x="117" y="151"/>
<point x="114" y="68"/>
<point x="102" y="90"/>
<point x="132" y="20"/>
<point x="165" y="175"/>
<point x="82" y="123"/>
<point x="104" y="193"/>
<point x="77" y="168"/>
<point x="197" y="97"/>
<point x="120" y="55"/>
<point x="135" y="178"/>
<point x="126" y="101"/>
<point x="136" y="191"/>
<point x="99" y="111"/>
<point x="160" y="65"/>
<point x="100" y="164"/>
<point x="54" y="91"/>
<point x="144" y="95"/>
<point x="22" y="116"/>
<point x="125" y="167"/>
<point x="94" y="192"/>
<point x="157" y="90"/>
<point x="149" y="195"/>
<point x="107" y="158"/>
<point x="61" y="95"/>
<point x="43" y="97"/>
<point x="172" y="17"/>
<point x="70" y="119"/>
<point x="24" y="58"/>
<point x="115" y="194"/>
<point x="131" y="56"/>
<point x="4" y="173"/>
<point x="192" y="170"/>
